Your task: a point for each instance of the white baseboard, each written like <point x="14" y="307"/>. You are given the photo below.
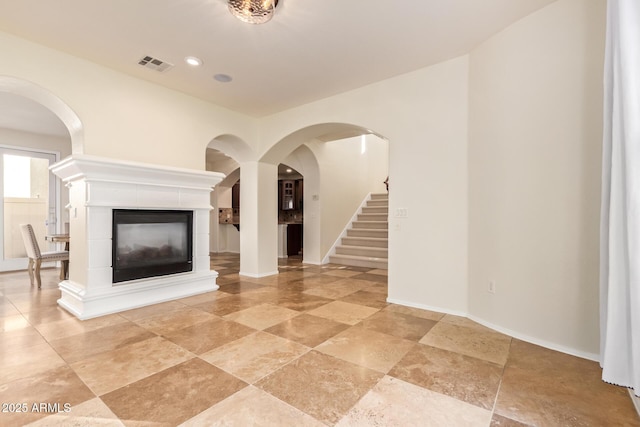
<point x="636" y="401"/>
<point x="511" y="333"/>
<point x="257" y="276"/>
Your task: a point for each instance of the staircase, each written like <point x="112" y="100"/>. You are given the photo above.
<point x="366" y="242"/>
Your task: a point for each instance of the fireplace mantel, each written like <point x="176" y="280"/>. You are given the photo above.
<point x="99" y="185"/>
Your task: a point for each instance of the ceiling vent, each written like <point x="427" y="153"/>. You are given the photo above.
<point x="155" y="64"/>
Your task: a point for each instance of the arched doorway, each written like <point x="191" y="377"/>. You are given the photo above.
<point x="36" y="130"/>
<point x="322" y="223"/>
<point x="338" y="172"/>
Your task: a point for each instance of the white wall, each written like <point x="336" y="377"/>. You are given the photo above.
<point x="423" y="115"/>
<point x="48" y="143"/>
<point x="229" y="238"/>
<point x="124" y="117"/>
<point x="534" y="176"/>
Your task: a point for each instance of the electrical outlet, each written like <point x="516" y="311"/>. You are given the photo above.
<point x="492" y="287"/>
<point x="402" y="213"/>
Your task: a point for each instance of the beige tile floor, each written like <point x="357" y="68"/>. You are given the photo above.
<point x="311" y="346"/>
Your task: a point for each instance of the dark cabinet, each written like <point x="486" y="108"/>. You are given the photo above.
<point x="235" y="195"/>
<point x="288" y="195"/>
<point x="294" y="239"/>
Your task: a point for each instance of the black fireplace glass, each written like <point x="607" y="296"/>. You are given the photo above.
<point x="149" y="243"/>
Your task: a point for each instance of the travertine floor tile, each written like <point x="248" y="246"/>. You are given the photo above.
<point x="341" y="272"/>
<point x="263" y="294"/>
<point x="555" y="382"/>
<point x="202" y="298"/>
<point x="500" y="421"/>
<point x="465" y="378"/>
<point x="156" y="365"/>
<point x="17" y="335"/>
<point x="252" y="407"/>
<point x="173" y="395"/>
<point x="151" y="310"/>
<point x="57" y="386"/>
<point x="379" y="271"/>
<point x="298" y="301"/>
<point x="367" y="348"/>
<point x="27" y="362"/>
<point x="13" y="323"/>
<point x="393" y="402"/>
<point x="50" y="313"/>
<point x="131" y="362"/>
<point x="228" y="305"/>
<point x="315" y="280"/>
<point x="364" y="297"/>
<point x="378" y="278"/>
<point x="7" y="308"/>
<point x="307" y="329"/>
<point x="320" y="385"/>
<point x="399" y="325"/>
<point x="74" y="326"/>
<point x="254" y="356"/>
<point x="206" y="336"/>
<point x="90" y="413"/>
<point x="240" y="286"/>
<point x="415" y="312"/>
<point x="78" y="347"/>
<point x="262" y="316"/>
<point x="344" y="312"/>
<point x="337" y="289"/>
<point x="484" y="344"/>
<point x="28" y="299"/>
<point x="170" y="321"/>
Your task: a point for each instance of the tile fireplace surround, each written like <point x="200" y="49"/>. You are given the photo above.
<point x="99" y="185"/>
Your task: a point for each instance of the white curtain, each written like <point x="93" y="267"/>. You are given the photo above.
<point x="620" y="219"/>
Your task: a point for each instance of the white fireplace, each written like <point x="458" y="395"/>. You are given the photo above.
<point x="98" y="186"/>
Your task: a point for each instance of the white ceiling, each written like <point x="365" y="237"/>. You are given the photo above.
<point x="311" y="49"/>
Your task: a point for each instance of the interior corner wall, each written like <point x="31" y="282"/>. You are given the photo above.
<point x="535" y="130"/>
<point x="423" y="115"/>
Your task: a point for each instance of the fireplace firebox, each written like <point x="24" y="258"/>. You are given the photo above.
<point x="150" y="243"/>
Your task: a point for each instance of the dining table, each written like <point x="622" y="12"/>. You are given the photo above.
<point x="61" y="238"/>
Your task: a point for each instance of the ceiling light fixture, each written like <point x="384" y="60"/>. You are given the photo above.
<point x="253" y="11"/>
<point x="193" y="61"/>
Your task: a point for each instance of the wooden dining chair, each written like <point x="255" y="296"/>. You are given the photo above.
<point x="36" y="258"/>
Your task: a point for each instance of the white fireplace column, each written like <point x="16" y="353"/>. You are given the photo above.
<point x="96" y="187"/>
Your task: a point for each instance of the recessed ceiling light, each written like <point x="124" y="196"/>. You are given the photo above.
<point x="289" y="170"/>
<point x="193" y="61"/>
<point x="223" y="78"/>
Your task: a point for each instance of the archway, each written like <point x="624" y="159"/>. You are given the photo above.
<point x="47" y="99"/>
<point x="306" y="150"/>
<point x="37" y="129"/>
<point x="301" y="148"/>
<point x="223" y="154"/>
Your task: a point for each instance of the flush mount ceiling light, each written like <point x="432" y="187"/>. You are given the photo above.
<point x="193" y="61"/>
<point x="253" y="11"/>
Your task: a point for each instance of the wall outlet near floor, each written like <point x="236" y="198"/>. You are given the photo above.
<point x="492" y="287"/>
<point x="402" y="212"/>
